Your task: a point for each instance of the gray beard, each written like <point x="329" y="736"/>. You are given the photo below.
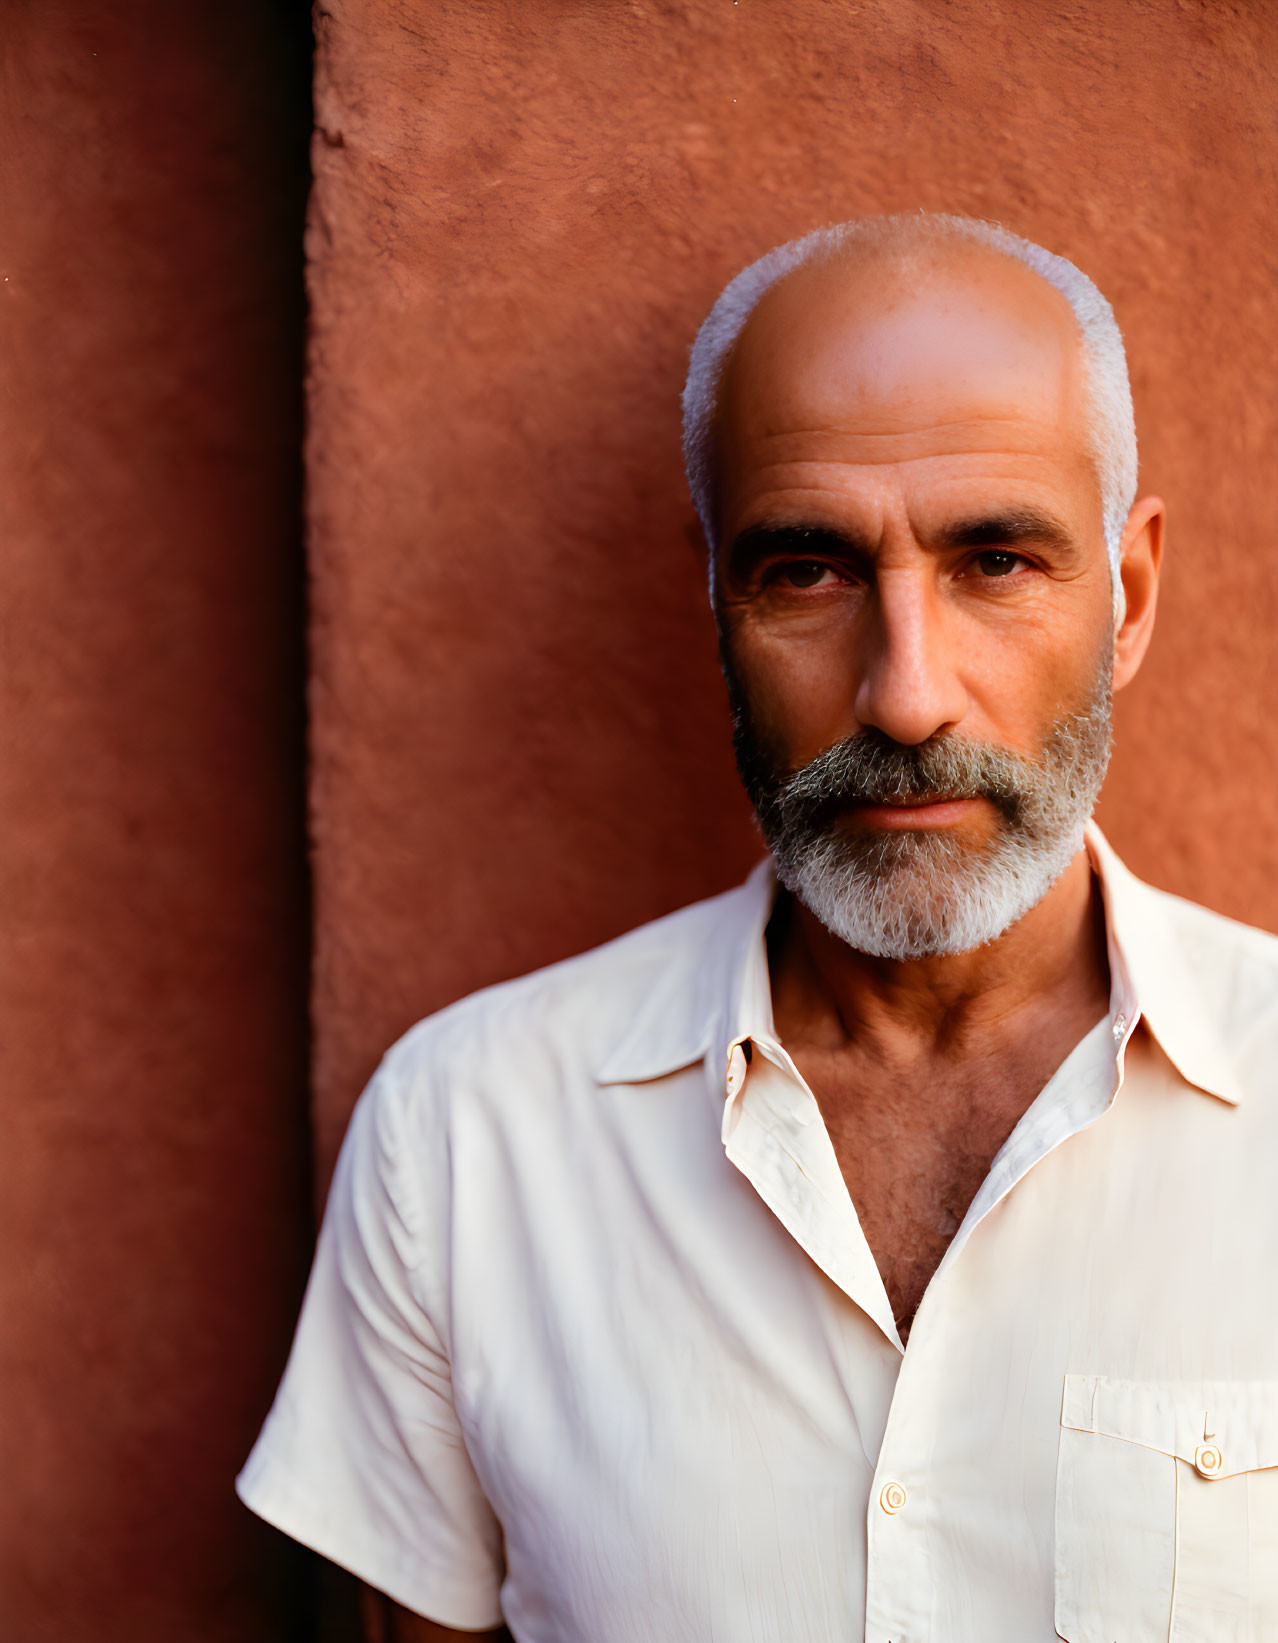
<point x="919" y="894"/>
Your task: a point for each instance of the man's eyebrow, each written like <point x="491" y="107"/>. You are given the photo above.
<point x="1001" y="526"/>
<point x="780" y="537"/>
<point x="995" y="527"/>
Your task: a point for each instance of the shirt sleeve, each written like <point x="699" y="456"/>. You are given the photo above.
<point x="362" y="1456"/>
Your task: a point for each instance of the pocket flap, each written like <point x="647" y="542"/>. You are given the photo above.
<point x="1220" y="1428"/>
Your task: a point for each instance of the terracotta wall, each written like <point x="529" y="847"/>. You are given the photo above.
<point x="153" y="1205"/>
<point x="523" y="209"/>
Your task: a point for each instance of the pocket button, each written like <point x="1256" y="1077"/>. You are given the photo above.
<point x="1208" y="1460"/>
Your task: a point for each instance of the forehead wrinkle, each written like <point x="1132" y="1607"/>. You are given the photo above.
<point x="848" y="465"/>
<point x="886" y="433"/>
<point x="987" y="436"/>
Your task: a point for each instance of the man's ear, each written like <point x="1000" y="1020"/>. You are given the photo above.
<point x="1140" y="560"/>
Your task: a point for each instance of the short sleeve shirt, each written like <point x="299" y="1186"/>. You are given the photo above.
<point x="594" y="1343"/>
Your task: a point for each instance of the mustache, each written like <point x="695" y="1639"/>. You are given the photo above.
<point x="870" y="768"/>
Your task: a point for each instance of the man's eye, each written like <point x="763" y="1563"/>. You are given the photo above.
<point x="803" y="573"/>
<point x="995" y="562"/>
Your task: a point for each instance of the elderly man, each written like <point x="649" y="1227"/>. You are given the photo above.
<point x="886" y="1249"/>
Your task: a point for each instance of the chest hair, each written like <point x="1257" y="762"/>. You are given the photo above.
<point x="914" y="1154"/>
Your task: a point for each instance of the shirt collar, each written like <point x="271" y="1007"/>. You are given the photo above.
<point x="714" y="993"/>
<point x="1150" y="960"/>
<point x="712" y="988"/>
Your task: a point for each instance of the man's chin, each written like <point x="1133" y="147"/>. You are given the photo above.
<point x="921" y="894"/>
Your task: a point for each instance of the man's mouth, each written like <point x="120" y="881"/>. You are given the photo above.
<point x="913" y="813"/>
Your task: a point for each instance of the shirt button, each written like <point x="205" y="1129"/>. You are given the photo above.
<point x="891" y="1498"/>
<point x="1208" y="1460"/>
<point x="1120" y="1025"/>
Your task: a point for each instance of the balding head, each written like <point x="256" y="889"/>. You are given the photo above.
<point x="813" y="293"/>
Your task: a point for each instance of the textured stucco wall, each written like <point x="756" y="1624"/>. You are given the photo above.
<point x="520" y="744"/>
<point x="153" y="1202"/>
<point x="523" y="209"/>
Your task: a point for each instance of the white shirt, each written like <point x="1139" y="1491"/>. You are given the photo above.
<point x="594" y="1341"/>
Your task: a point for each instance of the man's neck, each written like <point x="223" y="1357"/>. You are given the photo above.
<point x="827" y="997"/>
<point x="922" y="1069"/>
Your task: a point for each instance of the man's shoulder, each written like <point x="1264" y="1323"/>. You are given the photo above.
<point x="565" y="1020"/>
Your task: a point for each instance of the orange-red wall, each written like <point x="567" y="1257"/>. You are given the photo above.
<point x="153" y="941"/>
<point x="522" y="212"/>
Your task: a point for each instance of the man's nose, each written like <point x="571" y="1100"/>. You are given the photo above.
<point x="910" y="687"/>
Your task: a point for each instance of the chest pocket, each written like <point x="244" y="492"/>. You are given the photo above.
<point x="1167" y="1511"/>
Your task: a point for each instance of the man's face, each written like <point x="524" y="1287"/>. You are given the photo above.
<point x="912" y="573"/>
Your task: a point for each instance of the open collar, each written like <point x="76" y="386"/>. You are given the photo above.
<point x="713" y="994"/>
<point x="714" y="980"/>
<point x="1153" y="977"/>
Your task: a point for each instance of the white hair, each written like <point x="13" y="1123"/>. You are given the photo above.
<point x="1113" y="426"/>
